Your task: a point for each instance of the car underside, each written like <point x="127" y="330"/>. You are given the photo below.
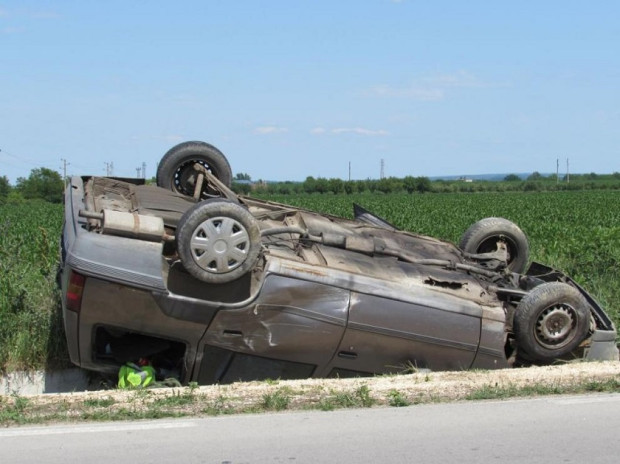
<point x="216" y="287"/>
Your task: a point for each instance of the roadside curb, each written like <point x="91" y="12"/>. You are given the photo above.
<point x="39" y="382"/>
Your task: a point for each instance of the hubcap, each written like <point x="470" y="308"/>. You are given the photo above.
<point x="220" y="245"/>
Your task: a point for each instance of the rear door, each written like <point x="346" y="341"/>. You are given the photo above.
<point x="386" y="335"/>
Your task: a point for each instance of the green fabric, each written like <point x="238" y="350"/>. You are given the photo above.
<point x="133" y="376"/>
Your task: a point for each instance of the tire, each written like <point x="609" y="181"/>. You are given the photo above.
<point x="551" y="321"/>
<point x="482" y="237"/>
<point x="176" y="169"/>
<point x="218" y="241"/>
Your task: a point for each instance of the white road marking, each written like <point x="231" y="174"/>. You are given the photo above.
<point x="111" y="427"/>
<point x="602" y="398"/>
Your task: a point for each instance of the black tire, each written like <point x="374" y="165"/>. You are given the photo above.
<point x="218" y="240"/>
<point x="176" y="169"/>
<point x="551" y="321"/>
<point x="482" y="237"/>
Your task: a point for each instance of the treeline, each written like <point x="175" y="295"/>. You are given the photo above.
<point x="43" y="183"/>
<point x="48" y="185"/>
<point x="511" y="183"/>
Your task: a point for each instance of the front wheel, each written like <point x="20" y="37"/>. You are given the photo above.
<point x="218" y="241"/>
<point x="551" y="321"/>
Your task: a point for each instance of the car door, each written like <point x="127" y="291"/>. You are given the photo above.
<point x="387" y="335"/>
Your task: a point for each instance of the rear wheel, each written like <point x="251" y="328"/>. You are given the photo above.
<point x="551" y="321"/>
<point x="218" y="241"/>
<point x="177" y="171"/>
<point x="482" y="237"/>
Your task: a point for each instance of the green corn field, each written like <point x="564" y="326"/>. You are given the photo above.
<point x="30" y="326"/>
<point x="577" y="232"/>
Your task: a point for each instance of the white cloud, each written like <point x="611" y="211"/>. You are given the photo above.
<point x="431" y="88"/>
<point x="266" y="130"/>
<point x="415" y="92"/>
<point x="170" y="138"/>
<point x="350" y="130"/>
<point x="45" y="14"/>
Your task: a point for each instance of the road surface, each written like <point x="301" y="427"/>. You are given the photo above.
<point x="558" y="429"/>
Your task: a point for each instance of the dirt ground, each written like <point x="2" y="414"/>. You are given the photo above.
<point x="397" y="390"/>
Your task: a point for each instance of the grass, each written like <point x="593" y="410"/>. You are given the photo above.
<point x="397" y="399"/>
<point x="276" y="401"/>
<point x="358" y="398"/>
<point x="261" y="397"/>
<point x="494" y="392"/>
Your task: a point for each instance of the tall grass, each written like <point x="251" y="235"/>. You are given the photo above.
<point x="31" y="334"/>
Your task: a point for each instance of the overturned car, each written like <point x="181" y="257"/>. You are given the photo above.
<point x="211" y="287"/>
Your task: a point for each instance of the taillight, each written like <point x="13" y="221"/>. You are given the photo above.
<point x="74" y="292"/>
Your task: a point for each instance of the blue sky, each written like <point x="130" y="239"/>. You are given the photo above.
<point x="289" y="89"/>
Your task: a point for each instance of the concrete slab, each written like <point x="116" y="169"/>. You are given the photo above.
<point x="38" y="382"/>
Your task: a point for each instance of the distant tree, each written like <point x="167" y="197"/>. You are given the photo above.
<point x="350" y="187"/>
<point x="242" y="189"/>
<point x="423" y="184"/>
<point x="512" y="178"/>
<point x="322" y="185"/>
<point x="242" y="176"/>
<point x="385" y="185"/>
<point x="5" y="188"/>
<point x="409" y="183"/>
<point x="310" y="185"/>
<point x="42" y="183"/>
<point x="535" y="176"/>
<point x="335" y="185"/>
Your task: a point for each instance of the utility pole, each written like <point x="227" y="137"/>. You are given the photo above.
<point x="138" y="172"/>
<point x="143" y="170"/>
<point x="64" y="170"/>
<point x="382" y="174"/>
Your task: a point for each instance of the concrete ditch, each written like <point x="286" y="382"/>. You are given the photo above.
<point x="40" y="382"/>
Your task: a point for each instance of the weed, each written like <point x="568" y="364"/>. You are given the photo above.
<point x="272" y="381"/>
<point x="99" y="402"/>
<point x="221" y="405"/>
<point x="397" y="399"/>
<point x="174" y="400"/>
<point x="363" y="395"/>
<point x="14" y="411"/>
<point x="359" y="398"/>
<point x="276" y="401"/>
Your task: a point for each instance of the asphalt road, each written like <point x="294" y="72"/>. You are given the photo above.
<point x="573" y="429"/>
